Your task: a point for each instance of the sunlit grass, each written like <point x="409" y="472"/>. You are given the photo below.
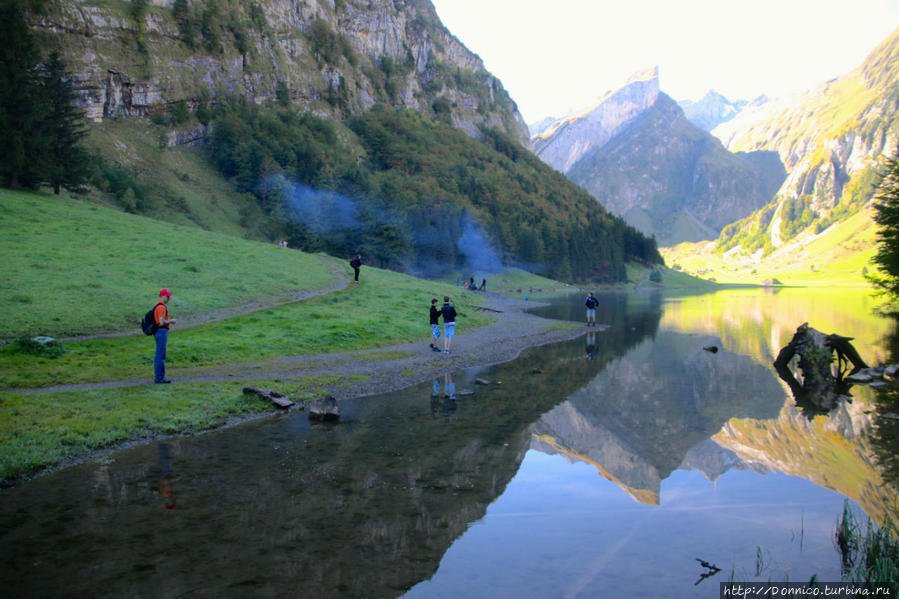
<point x="384" y="309"/>
<point x="71" y="266"/>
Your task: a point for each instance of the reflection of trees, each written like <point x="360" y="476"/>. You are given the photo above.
<point x="366" y="508"/>
<point x="885" y="436"/>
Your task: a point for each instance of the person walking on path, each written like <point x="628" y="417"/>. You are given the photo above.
<point x="591" y="304"/>
<point x="163" y="320"/>
<point x="449" y="324"/>
<point x="356" y="263"/>
<point x="435" y="325"/>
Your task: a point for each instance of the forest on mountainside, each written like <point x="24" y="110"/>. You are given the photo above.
<point x="411" y="193"/>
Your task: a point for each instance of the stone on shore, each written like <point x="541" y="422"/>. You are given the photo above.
<point x="325" y="409"/>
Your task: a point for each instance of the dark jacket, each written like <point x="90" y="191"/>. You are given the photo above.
<point x="435" y="314"/>
<point x="591" y="302"/>
<point x="449" y="313"/>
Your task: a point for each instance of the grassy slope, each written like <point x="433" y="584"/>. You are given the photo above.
<point x="59" y="253"/>
<point x="838" y="256"/>
<point x="187" y="187"/>
<point x="72" y="266"/>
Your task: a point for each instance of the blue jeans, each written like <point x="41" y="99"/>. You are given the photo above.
<point x="162" y="340"/>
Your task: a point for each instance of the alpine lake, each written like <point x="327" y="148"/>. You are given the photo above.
<point x="607" y="466"/>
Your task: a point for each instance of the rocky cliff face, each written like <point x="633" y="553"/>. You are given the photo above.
<point x="332" y="57"/>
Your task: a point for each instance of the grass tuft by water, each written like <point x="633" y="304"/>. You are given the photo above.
<point x="869" y="553"/>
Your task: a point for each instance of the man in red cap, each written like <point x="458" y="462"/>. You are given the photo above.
<point x="161" y="315"/>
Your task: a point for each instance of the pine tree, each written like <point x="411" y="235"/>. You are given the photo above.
<point x="63" y="128"/>
<point x="21" y="101"/>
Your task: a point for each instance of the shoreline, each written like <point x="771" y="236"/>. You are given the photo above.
<point x="502" y="341"/>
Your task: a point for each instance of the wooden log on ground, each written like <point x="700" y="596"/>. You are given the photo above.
<point x="276" y="397"/>
<point x="486" y="309"/>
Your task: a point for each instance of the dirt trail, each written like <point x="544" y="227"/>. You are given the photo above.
<point x="513" y="331"/>
<point x="341" y="280"/>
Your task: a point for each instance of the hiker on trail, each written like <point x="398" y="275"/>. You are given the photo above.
<point x="591" y="304"/>
<point x="163" y="320"/>
<point x="483" y="286"/>
<point x="435" y="325"/>
<point x="356" y="263"/>
<point x="449" y="323"/>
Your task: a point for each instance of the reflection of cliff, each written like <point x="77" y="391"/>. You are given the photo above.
<point x="833" y="451"/>
<point x="638" y="419"/>
<point x="366" y="508"/>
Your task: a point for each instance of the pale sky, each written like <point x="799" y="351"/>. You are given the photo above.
<point x="555" y="55"/>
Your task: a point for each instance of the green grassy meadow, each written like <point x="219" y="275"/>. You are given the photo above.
<point x="73" y="266"/>
<point x="838" y="257"/>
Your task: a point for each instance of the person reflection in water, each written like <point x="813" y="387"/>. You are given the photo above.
<point x="591" y="346"/>
<point x="167" y="478"/>
<point x="449" y="387"/>
<point x="443" y="405"/>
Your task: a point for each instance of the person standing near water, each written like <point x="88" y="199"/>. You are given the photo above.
<point x="163" y="320"/>
<point x="435" y="325"/>
<point x="449" y="324"/>
<point x="591" y="304"/>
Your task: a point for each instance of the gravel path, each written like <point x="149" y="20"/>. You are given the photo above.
<point x="340" y="281"/>
<point x="513" y="331"/>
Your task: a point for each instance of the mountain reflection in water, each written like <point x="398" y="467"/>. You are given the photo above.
<point x="385" y="501"/>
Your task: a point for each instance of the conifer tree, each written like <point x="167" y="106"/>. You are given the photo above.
<point x="21" y="101"/>
<point x="887" y="216"/>
<point x="63" y="128"/>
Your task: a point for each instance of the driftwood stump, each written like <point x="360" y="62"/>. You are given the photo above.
<point x="823" y="383"/>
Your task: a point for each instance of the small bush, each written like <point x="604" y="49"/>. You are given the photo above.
<point x="39" y="346"/>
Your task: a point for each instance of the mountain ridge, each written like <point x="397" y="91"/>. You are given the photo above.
<point x="639" y="156"/>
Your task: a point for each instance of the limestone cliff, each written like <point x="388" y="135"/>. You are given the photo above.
<point x="332" y="57"/>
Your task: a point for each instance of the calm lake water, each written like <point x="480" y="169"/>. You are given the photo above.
<point x="603" y="467"/>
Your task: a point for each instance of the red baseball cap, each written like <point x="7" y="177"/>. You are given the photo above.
<point x="165" y="292"/>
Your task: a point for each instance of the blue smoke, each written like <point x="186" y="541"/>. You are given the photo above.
<point x="321" y="210"/>
<point x="329" y="213"/>
<point x="480" y="254"/>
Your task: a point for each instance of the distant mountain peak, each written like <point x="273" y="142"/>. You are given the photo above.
<point x="647" y="74"/>
<point x="711" y="110"/>
<point x="562" y="144"/>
